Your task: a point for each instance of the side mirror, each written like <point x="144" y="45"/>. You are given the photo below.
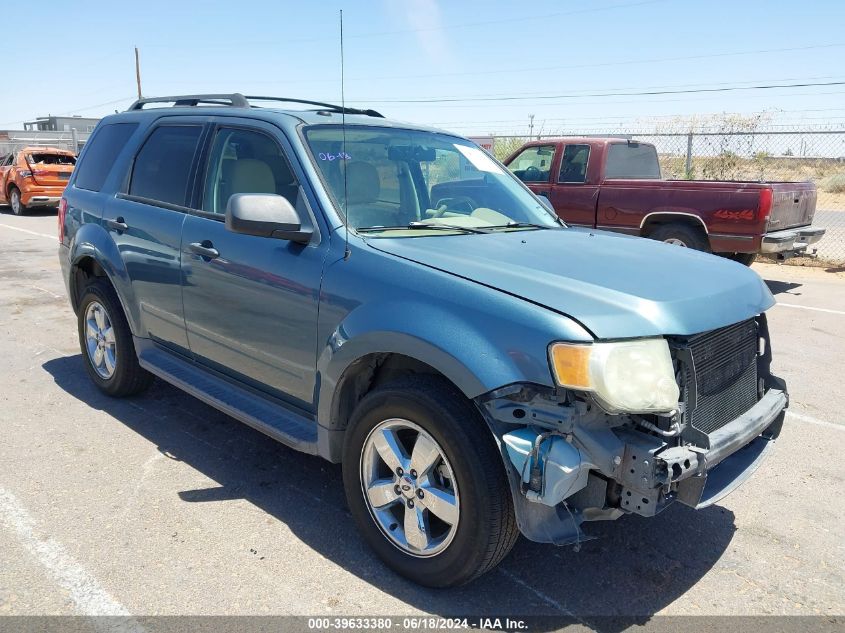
<point x="546" y="202"/>
<point x="265" y="215"/>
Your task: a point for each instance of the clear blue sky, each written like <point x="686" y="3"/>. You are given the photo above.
<point x="77" y="57"/>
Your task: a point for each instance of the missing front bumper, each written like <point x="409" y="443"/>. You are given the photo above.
<point x="607" y="471"/>
<point x="736" y="451"/>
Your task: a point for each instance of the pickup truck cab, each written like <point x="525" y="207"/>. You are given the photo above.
<point x="34" y="177"/>
<point x="614" y="184"/>
<point x="390" y="297"/>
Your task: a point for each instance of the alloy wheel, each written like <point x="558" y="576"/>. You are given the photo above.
<point x="99" y="340"/>
<point x="409" y="487"/>
<point x="15" y="200"/>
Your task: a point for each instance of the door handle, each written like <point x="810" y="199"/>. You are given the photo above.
<point x="204" y="249"/>
<point x="118" y="224"/>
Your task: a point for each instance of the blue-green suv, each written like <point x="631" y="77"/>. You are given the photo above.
<point x="390" y="297"/>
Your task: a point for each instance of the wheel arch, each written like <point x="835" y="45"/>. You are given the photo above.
<point x="347" y="374"/>
<point x="93" y="254"/>
<point x="656" y="218"/>
<point x="373" y="370"/>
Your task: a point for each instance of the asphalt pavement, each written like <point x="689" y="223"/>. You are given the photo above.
<point x="160" y="504"/>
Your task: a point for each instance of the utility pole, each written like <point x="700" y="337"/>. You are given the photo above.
<point x="138" y="71"/>
<point x="530" y="125"/>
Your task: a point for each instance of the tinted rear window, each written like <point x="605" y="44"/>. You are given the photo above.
<point x="632" y="160"/>
<point x="163" y="165"/>
<point x="52" y="159"/>
<point x="101" y="154"/>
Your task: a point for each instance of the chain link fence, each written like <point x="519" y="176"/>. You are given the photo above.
<point x="12" y="141"/>
<point x="745" y="154"/>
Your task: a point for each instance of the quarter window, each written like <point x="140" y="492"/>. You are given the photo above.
<point x="245" y="161"/>
<point x="573" y="164"/>
<point x="101" y="153"/>
<point x="163" y="165"/>
<point x="533" y="163"/>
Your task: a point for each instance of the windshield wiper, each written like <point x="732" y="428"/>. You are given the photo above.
<point x="519" y="225"/>
<point x="449" y="227"/>
<point x="419" y="226"/>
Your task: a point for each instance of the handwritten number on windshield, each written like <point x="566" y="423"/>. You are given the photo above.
<point x="329" y="156"/>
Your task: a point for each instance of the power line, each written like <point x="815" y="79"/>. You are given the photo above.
<point x="610" y="94"/>
<point x="75" y="110"/>
<point x="524" y="18"/>
<point x="586" y="92"/>
<point x="627" y="62"/>
<point x="506" y="71"/>
<point x="650" y="117"/>
<point x="442" y="27"/>
<point x="616" y="103"/>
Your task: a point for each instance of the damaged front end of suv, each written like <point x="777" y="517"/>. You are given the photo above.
<point x="635" y="425"/>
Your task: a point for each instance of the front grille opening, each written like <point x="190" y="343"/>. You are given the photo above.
<point x="723" y="374"/>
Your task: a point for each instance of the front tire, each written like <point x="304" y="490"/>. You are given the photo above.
<point x="425" y="483"/>
<point x="18" y="207"/>
<point x="106" y="342"/>
<point x="681" y="235"/>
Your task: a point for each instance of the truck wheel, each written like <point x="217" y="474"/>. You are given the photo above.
<point x="106" y="342"/>
<point x="745" y="259"/>
<point x="18" y="207"/>
<point x="681" y="235"/>
<point x="425" y="483"/>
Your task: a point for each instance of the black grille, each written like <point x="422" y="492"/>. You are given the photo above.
<point x="721" y="383"/>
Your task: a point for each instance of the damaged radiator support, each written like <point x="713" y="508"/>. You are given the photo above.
<point x="570" y="462"/>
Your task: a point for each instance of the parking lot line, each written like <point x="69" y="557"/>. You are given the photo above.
<point x="792" y="305"/>
<point x="812" y="420"/>
<point x="88" y="596"/>
<point x="542" y="596"/>
<point x="17" y="228"/>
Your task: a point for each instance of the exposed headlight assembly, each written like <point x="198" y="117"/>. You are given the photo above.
<point x="633" y="376"/>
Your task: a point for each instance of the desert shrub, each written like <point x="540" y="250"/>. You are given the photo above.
<point x="834" y="184"/>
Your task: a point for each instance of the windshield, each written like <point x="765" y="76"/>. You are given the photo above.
<point x="420" y="182"/>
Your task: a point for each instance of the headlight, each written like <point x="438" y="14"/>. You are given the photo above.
<point x="626" y="376"/>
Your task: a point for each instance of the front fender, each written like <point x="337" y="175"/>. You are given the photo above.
<point x="93" y="241"/>
<point x="477" y="355"/>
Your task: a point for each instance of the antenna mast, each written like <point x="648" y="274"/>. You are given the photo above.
<point x="346" y="251"/>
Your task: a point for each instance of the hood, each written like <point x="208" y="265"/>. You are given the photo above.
<point x="615" y="285"/>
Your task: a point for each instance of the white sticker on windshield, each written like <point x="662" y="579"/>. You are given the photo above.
<point x="479" y="159"/>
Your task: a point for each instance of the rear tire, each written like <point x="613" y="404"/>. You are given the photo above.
<point x="481" y="527"/>
<point x="106" y="342"/>
<point x="746" y="259"/>
<point x="681" y="235"/>
<point x="18" y="207"/>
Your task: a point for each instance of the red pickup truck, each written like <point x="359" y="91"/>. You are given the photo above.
<point x="615" y="184"/>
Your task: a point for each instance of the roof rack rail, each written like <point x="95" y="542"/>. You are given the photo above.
<point x="237" y="100"/>
<point x="321" y="104"/>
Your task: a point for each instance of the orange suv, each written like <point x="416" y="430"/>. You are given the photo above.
<point x="34" y="177"/>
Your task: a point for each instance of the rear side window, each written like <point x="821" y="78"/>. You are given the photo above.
<point x="573" y="164"/>
<point x="632" y="160"/>
<point x="101" y="154"/>
<point x="163" y="164"/>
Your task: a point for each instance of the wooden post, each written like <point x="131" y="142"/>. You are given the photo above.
<point x="138" y="71"/>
